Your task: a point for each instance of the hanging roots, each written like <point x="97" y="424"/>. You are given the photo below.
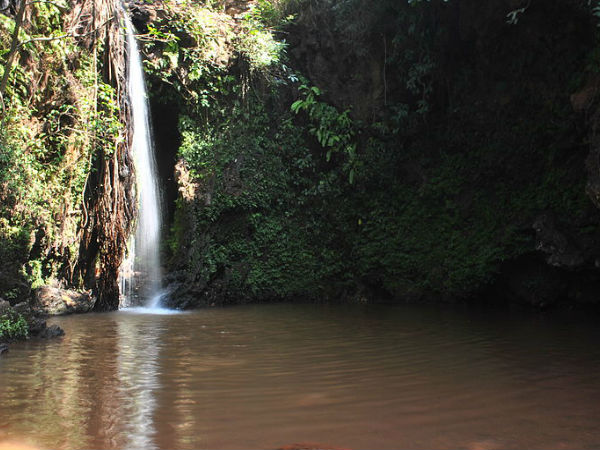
<point x="109" y="199"/>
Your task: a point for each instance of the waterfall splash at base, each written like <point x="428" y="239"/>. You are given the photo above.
<point x="140" y="273"/>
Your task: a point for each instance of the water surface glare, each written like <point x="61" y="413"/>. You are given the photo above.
<point x="149" y="310"/>
<point x="267" y="376"/>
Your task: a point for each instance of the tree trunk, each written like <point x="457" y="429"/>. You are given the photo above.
<point x="110" y="198"/>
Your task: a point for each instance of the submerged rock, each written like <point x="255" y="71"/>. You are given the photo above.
<point x="3" y="348"/>
<point x="51" y="332"/>
<point x="38" y="328"/>
<point x="56" y="302"/>
<point x="37" y="325"/>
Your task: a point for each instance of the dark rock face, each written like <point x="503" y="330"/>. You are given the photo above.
<point x="141" y="14"/>
<point x="592" y="164"/>
<point x="4" y="306"/>
<point x="38" y="328"/>
<point x="531" y="282"/>
<point x="56" y="302"/>
<point x="183" y="293"/>
<point x="535" y="284"/>
<point x="560" y="250"/>
<point x="584" y="102"/>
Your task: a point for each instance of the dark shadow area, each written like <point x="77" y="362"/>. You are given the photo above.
<point x="166" y="141"/>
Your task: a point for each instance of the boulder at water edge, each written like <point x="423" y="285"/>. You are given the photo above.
<point x="56" y="302"/>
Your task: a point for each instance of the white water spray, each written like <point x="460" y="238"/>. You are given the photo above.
<point x="141" y="271"/>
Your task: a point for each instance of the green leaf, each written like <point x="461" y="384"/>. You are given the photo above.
<point x="297" y="105"/>
<point x="320" y="136"/>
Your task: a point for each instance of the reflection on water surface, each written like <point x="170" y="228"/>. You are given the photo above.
<point x="271" y="375"/>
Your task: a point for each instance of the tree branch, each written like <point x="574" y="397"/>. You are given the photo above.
<point x="13" y="50"/>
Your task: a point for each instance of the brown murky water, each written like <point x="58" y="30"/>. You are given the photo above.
<point x="267" y="376"/>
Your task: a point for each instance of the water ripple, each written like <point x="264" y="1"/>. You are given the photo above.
<point x="270" y="375"/>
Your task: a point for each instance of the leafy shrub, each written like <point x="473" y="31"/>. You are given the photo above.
<point x="13" y="326"/>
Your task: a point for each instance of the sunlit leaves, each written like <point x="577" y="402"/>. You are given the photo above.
<point x="259" y="45"/>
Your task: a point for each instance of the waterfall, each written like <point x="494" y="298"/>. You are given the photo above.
<point x="141" y="272"/>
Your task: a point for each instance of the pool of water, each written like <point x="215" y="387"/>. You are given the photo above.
<point x="269" y="376"/>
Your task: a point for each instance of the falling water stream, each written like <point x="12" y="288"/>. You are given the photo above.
<point x="141" y="271"/>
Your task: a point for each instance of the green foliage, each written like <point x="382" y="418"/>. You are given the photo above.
<point x="259" y="47"/>
<point x="257" y="41"/>
<point x="272" y="14"/>
<point x="446" y="191"/>
<point x="450" y="157"/>
<point x="34" y="273"/>
<point x="594" y="6"/>
<point x="53" y="125"/>
<point x="195" y="44"/>
<point x="190" y="42"/>
<point x="247" y="169"/>
<point x="334" y="131"/>
<point x="14" y="250"/>
<point x="13" y="326"/>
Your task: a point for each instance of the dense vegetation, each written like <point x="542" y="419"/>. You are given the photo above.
<point x="393" y="151"/>
<point x="333" y="150"/>
<point x="51" y="128"/>
<point x="61" y="127"/>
